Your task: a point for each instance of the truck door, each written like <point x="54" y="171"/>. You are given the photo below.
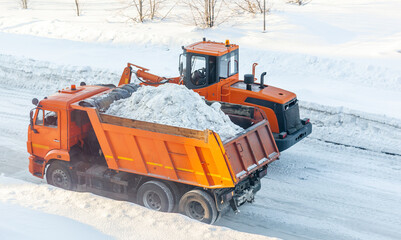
<point x="46" y="133"/>
<point x="212" y="90"/>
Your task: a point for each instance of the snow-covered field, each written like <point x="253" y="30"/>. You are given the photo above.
<point x="342" y="58"/>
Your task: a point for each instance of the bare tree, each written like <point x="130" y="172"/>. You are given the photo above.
<point x="77" y="8"/>
<point x="205" y="12"/>
<point x="148" y="9"/>
<point x="252" y="6"/>
<point x="139" y="5"/>
<point x="153" y="7"/>
<point x="299" y="2"/>
<point x="24" y="4"/>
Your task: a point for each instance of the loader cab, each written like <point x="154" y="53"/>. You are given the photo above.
<point x="206" y="63"/>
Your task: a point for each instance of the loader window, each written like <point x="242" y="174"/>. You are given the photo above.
<point x="198" y="70"/>
<point x="228" y="64"/>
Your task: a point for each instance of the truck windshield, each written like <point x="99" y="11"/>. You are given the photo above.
<point x="46" y="118"/>
<point x="228" y="64"/>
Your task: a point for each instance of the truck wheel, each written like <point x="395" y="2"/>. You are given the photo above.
<point x="155" y="195"/>
<point x="59" y="175"/>
<point x="198" y="205"/>
<point x="176" y="194"/>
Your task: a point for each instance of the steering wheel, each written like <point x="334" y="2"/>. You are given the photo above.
<point x="198" y="77"/>
<point x="202" y="71"/>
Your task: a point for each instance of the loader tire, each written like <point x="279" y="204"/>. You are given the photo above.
<point x="59" y="175"/>
<point x="155" y="195"/>
<point x="199" y="205"/>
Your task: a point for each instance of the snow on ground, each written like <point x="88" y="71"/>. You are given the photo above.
<point x="175" y="105"/>
<point x="356" y="28"/>
<point x="342" y="58"/>
<point x="333" y="81"/>
<point x="36" y="224"/>
<point x="326" y="191"/>
<point x="86" y="216"/>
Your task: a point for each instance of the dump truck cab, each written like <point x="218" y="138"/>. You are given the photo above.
<point x="54" y="128"/>
<point x="212" y="69"/>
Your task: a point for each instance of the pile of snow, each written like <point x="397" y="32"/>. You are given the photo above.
<point x="175" y="105"/>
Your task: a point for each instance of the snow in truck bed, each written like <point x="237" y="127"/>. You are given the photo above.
<point x="175" y="105"/>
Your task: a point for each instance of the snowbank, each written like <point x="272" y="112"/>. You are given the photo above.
<point x="36" y="225"/>
<point x="94" y="214"/>
<point x="353" y="128"/>
<point x="175" y="105"/>
<point x="46" y="78"/>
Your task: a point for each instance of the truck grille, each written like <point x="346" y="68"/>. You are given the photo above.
<point x="291" y="113"/>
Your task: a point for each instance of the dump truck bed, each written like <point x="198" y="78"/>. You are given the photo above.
<point x="183" y="155"/>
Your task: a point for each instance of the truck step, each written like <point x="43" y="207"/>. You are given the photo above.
<point x="39" y="162"/>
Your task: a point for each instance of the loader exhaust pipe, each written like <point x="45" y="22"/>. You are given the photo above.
<point x="262" y="80"/>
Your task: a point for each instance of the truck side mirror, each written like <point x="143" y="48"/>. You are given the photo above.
<point x="31" y="114"/>
<point x="35" y="101"/>
<point x="180" y="68"/>
<point x="181" y="63"/>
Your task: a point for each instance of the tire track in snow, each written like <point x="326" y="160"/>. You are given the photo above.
<point x="326" y="192"/>
<point x="350" y="128"/>
<point x="357" y="147"/>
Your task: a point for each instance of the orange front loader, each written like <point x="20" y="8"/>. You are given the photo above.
<point x="211" y="69"/>
<point x="78" y="147"/>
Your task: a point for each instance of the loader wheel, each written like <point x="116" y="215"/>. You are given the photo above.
<point x="156" y="195"/>
<point x="59" y="175"/>
<point x="198" y="205"/>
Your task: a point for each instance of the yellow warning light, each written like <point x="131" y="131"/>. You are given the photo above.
<point x="227" y="43"/>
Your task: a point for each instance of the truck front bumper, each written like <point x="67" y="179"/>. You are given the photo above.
<point x="37" y="166"/>
<point x="291" y="139"/>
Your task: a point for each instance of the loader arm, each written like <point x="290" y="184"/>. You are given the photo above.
<point x="144" y="76"/>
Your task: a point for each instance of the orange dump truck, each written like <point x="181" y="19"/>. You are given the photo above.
<point x="78" y="147"/>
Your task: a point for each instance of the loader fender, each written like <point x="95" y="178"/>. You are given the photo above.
<point x="58" y="154"/>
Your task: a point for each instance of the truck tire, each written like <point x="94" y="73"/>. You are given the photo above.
<point x="155" y="195"/>
<point x="58" y="174"/>
<point x="176" y="194"/>
<point x="199" y="205"/>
